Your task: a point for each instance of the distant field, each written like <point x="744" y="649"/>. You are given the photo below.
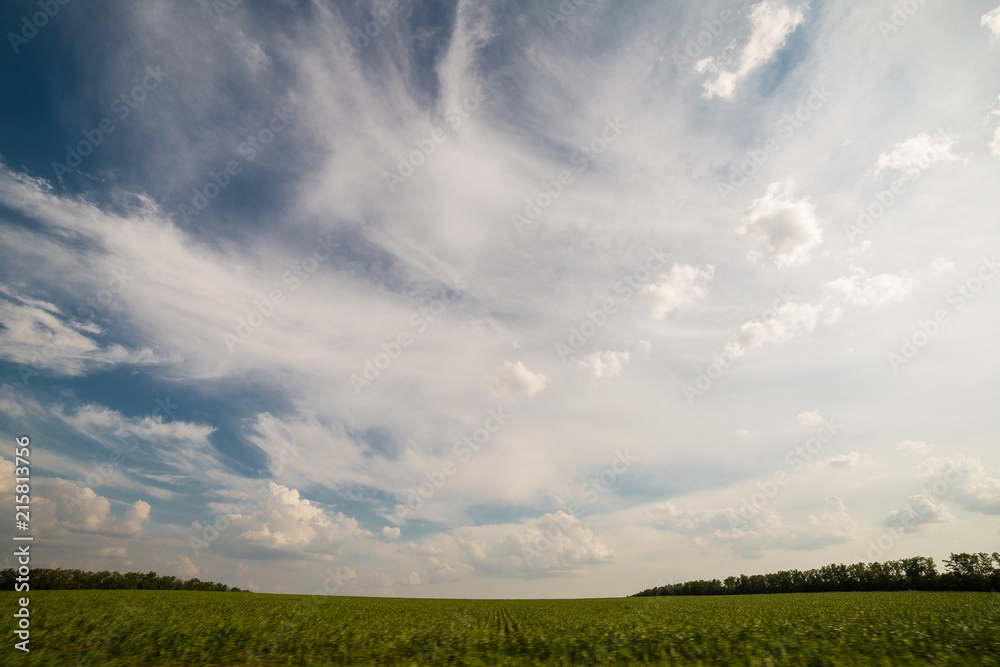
<point x="195" y="628"/>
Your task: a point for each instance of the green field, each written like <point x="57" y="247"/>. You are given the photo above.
<point x="197" y="628"/>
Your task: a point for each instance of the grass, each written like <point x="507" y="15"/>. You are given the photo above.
<point x="198" y="628"/>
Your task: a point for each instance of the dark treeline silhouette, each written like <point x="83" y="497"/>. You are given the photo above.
<point x="44" y="579"/>
<point x="964" y="572"/>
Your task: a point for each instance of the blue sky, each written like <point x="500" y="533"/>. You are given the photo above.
<point x="480" y="299"/>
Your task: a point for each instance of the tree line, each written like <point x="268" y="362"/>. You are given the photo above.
<point x="963" y="572"/>
<point x="57" y="579"/>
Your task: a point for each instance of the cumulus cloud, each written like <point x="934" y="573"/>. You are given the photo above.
<point x="280" y="520"/>
<point x="391" y="532"/>
<point x="135" y="516"/>
<point x="516" y="378"/>
<point x="61" y="506"/>
<point x="604" y="364"/>
<point x="765" y="530"/>
<point x="440" y="566"/>
<point x="919" y="511"/>
<point x="793" y="320"/>
<point x="964" y="480"/>
<point x="554" y="542"/>
<point x="918" y="447"/>
<point x="771" y="22"/>
<point x="860" y="289"/>
<point x="184" y="567"/>
<point x="991" y="20"/>
<point x="915" y="155"/>
<point x="681" y="287"/>
<point x="786" y="227"/>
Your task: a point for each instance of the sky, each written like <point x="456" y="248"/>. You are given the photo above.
<point x="499" y="299"/>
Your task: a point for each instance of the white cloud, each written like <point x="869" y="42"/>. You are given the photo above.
<point x="114" y="552"/>
<point x="645" y="345"/>
<point x="411" y="579"/>
<point x="860" y="289"/>
<point x="184" y="567"/>
<point x="516" y="378"/>
<point x="915" y="155"/>
<point x="848" y="460"/>
<point x="99" y="422"/>
<point x="919" y="511"/>
<point x="554" y="542"/>
<point x="135" y="517"/>
<point x="280" y="520"/>
<point x="860" y="248"/>
<point x="391" y="532"/>
<point x="62" y="507"/>
<point x="941" y="266"/>
<point x="766" y="530"/>
<point x="793" y="320"/>
<point x="785" y="226"/>
<point x="914" y="447"/>
<point x="810" y="418"/>
<point x="991" y="20"/>
<point x="771" y="23"/>
<point x="681" y="287"/>
<point x="37" y="334"/>
<point x="604" y="364"/>
<point x="965" y="480"/>
<point x="6" y="476"/>
<point x="994" y="144"/>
